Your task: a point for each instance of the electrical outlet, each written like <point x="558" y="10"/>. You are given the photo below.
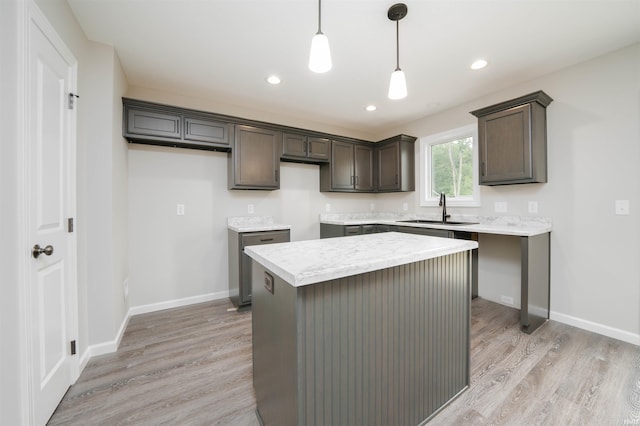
<point x="622" y="207"/>
<point x="405" y="207"/>
<point x="180" y="209"/>
<point x="372" y="207"/>
<point x="500" y="206"/>
<point x="327" y="207"/>
<point x="506" y="299"/>
<point x="533" y="207"/>
<point x="250" y="208"/>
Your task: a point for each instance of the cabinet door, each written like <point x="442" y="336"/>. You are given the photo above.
<point x="505" y="145"/>
<point x="253" y="239"/>
<point x="255" y="159"/>
<point x="200" y="130"/>
<point x="364" y="168"/>
<point x="318" y="148"/>
<point x="144" y="122"/>
<point x="389" y="167"/>
<point x="342" y="165"/>
<point x="294" y="145"/>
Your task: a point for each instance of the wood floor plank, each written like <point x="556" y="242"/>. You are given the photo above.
<point x="193" y="366"/>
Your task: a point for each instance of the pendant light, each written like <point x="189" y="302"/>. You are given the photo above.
<point x="320" y="55"/>
<point x="398" y="83"/>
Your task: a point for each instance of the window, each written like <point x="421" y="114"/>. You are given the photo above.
<point x="449" y="164"/>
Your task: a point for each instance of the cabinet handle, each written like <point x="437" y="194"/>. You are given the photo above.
<point x="266" y="239"/>
<point x="396" y="178"/>
<point x="483" y="169"/>
<point x="356" y="179"/>
<point x="352" y="180"/>
<point x="308" y="147"/>
<point x="276" y="173"/>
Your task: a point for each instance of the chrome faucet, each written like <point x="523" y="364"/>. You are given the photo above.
<point x="443" y="203"/>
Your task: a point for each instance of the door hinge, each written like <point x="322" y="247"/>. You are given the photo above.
<point x="70" y="224"/>
<point x="72" y="97"/>
<point x="73" y="347"/>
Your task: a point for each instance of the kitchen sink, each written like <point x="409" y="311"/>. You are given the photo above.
<point x="438" y="222"/>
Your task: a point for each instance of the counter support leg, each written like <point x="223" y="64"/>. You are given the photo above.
<point x="535" y="281"/>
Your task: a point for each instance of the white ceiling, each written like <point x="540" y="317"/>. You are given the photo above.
<point x="225" y="49"/>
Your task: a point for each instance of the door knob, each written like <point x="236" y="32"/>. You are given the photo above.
<point x="37" y="250"/>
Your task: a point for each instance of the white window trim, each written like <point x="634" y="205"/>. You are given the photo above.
<point x="426" y="143"/>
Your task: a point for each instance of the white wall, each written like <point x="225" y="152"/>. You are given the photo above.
<point x="12" y="386"/>
<point x="593" y="155"/>
<point x="180" y="257"/>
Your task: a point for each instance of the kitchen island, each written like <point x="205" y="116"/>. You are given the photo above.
<point x="371" y="329"/>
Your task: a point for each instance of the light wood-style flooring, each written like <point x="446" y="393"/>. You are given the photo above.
<point x="192" y="366"/>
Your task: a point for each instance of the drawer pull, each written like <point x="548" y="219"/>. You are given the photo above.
<point x="266" y="239"/>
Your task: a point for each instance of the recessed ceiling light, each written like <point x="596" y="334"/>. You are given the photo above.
<point x="479" y="64"/>
<point x="273" y="79"/>
<point x="371" y="108"/>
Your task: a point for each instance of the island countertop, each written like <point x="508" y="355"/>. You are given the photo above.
<point x="307" y="262"/>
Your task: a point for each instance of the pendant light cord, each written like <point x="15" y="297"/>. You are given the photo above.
<point x="397" y="45"/>
<point x="319" y="16"/>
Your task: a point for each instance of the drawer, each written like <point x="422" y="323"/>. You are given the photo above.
<point x="269" y="237"/>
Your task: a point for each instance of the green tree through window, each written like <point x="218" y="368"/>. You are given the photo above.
<point x="452" y="168"/>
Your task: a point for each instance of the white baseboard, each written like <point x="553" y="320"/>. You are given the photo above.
<point x="112" y="346"/>
<point x="143" y="309"/>
<point x="605" y="330"/>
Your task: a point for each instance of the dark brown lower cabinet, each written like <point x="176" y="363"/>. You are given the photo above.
<point x="240" y="263"/>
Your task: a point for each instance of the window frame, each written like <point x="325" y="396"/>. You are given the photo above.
<point x="426" y="143"/>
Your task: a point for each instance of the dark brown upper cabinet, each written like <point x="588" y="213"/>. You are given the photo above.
<point x="396" y="164"/>
<point x="513" y="140"/>
<point x="157" y="124"/>
<point x="254" y="161"/>
<point x="305" y="149"/>
<point x="351" y="168"/>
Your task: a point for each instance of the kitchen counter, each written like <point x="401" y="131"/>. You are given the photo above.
<point x="533" y="232"/>
<point x="306" y="262"/>
<point x="521" y="226"/>
<point x="254" y="224"/>
<point x="367" y="329"/>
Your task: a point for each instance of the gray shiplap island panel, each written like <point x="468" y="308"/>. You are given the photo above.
<point x="388" y="346"/>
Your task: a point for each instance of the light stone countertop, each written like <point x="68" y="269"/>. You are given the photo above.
<point x="307" y="262"/>
<point x="522" y="226"/>
<point x="254" y="224"/>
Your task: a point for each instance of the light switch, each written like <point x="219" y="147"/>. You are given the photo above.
<point x="622" y="207"/>
<point x="180" y="209"/>
<point x="533" y="207"/>
<point x="405" y="206"/>
<point x="250" y="209"/>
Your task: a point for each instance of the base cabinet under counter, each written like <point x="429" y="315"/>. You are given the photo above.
<point x="240" y="264"/>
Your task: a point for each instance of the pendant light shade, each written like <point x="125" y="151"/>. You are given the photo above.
<point x="397" y="85"/>
<point x="398" y="82"/>
<point x="320" y="55"/>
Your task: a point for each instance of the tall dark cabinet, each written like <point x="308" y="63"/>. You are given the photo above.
<point x="396" y="164"/>
<point x="351" y="168"/>
<point x="513" y="140"/>
<point x="254" y="161"/>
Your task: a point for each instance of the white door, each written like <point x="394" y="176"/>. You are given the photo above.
<point x="50" y="185"/>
